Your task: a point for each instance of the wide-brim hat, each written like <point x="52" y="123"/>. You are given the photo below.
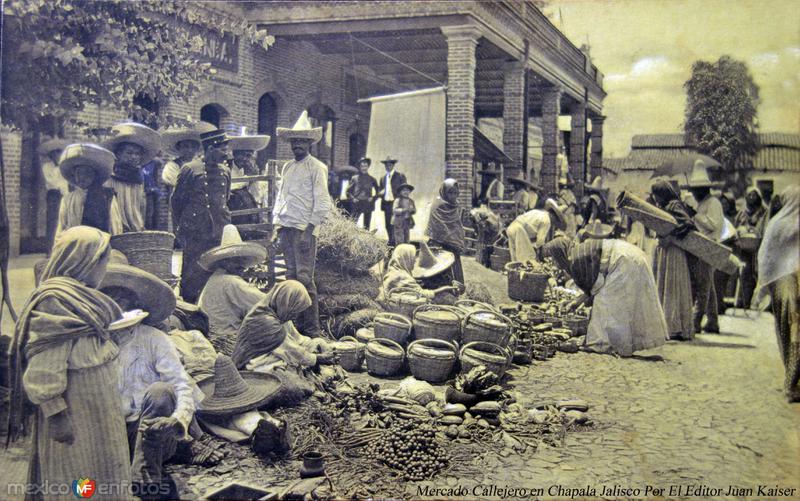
<point x="389" y="160"/>
<point x="171" y="138"/>
<point x="250" y="253"/>
<point x="597" y="229"/>
<point x="153" y="295"/>
<point x="51" y="145"/>
<point x="302" y="130"/>
<point x="405" y="185"/>
<point x="346" y="169"/>
<point x="698" y="177"/>
<point x="553" y="208"/>
<point x="231" y="392"/>
<point x="92" y="155"/>
<point x="431" y="263"/>
<point x="142" y="135"/>
<point x="522" y="182"/>
<point x="249" y="143"/>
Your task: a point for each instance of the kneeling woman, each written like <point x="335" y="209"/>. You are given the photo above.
<point x="626" y="314"/>
<point x="404" y="266"/>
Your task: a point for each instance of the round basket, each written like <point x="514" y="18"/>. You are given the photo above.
<point x="148" y="250"/>
<point x="468" y="306"/>
<point x="431" y="360"/>
<point x="392" y="326"/>
<point x="524" y="285"/>
<point x="437" y="322"/>
<point x="495" y="358"/>
<point x="404" y="303"/>
<point x="487" y="326"/>
<point x="365" y="334"/>
<point x="384" y="357"/>
<point x="351" y="353"/>
<point x="748" y="242"/>
<point x="578" y="325"/>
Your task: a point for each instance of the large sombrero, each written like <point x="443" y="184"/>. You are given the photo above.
<point x="429" y="264"/>
<point x="171" y="137"/>
<point x="698" y="178"/>
<point x="302" y="130"/>
<point x="91" y="155"/>
<point x="522" y="182"/>
<point x="232" y="247"/>
<point x="153" y="295"/>
<point x="132" y="132"/>
<point x="249" y="143"/>
<point x="597" y="229"/>
<point x="51" y="145"/>
<point x="553" y="208"/>
<point x="231" y="392"/>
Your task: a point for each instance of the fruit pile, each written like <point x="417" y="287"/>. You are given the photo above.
<point x="411" y="448"/>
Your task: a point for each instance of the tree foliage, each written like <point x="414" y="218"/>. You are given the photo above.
<point x="721" y="110"/>
<point x="60" y="55"/>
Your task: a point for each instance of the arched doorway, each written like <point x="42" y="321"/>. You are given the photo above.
<point x="323" y="116"/>
<point x="358" y="148"/>
<point x="267" y="124"/>
<point x="211" y="113"/>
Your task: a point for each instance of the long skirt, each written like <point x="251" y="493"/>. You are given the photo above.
<point x="100" y="449"/>
<point x="626" y="314"/>
<point x="675" y="291"/>
<point x="786" y="309"/>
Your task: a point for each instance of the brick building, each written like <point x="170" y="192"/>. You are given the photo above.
<point x="498" y="59"/>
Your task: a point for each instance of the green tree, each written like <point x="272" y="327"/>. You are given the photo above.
<point x="721" y="110"/>
<point x="60" y="55"/>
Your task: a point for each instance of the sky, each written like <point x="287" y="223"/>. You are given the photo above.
<point x="645" y="49"/>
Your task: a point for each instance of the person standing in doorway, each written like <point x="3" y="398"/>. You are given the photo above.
<point x="302" y="205"/>
<point x="363" y="191"/>
<point x="388" y="191"/>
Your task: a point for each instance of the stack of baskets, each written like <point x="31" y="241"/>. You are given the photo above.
<point x="431" y="360"/>
<point x="487" y="326"/>
<point x="437" y="322"/>
<point x="525" y="285"/>
<point x="148" y="250"/>
<point x="404" y="303"/>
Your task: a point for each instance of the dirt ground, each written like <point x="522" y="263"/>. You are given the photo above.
<point x="708" y="413"/>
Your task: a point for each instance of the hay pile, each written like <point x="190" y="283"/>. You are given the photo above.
<point x="343" y="246"/>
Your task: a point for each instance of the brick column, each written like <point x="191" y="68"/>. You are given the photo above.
<point x="551" y="107"/>
<point x="596" y="160"/>
<point x="514" y="115"/>
<point x="577" y="149"/>
<point x="460" y="120"/>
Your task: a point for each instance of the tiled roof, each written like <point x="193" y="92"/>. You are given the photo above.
<point x="779" y="151"/>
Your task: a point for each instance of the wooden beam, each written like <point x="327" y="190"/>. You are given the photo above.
<point x="298" y="26"/>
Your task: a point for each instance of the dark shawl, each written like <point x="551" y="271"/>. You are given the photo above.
<point x="444" y="224"/>
<point x="585" y="263"/>
<point x="97" y="208"/>
<point x="558" y="250"/>
<point x="673" y="204"/>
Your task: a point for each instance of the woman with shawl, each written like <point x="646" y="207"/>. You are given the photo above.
<point x="778" y="276"/>
<point x="671" y="266"/>
<point x="65" y="363"/>
<point x="444" y="225"/>
<point x="399" y="278"/>
<point x="626" y="315"/>
<point x="749" y="221"/>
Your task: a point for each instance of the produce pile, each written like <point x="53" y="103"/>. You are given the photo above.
<point x="411" y="448"/>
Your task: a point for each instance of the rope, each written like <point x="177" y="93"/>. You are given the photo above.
<point x="353" y="64"/>
<point x="395" y="60"/>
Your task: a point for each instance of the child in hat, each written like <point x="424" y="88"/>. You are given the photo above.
<point x="403" y="212"/>
<point x="86" y="167"/>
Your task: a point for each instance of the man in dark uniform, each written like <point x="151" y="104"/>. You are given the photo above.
<point x="200" y="209"/>
<point x="388" y="191"/>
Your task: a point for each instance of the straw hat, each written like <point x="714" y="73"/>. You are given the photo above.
<point x="91" y="155"/>
<point x="596" y="229"/>
<point x="52" y="144"/>
<point x="389" y="160"/>
<point x="171" y="138"/>
<point x="302" y="130"/>
<point x="142" y="135"/>
<point x="249" y="143"/>
<point x="231" y="246"/>
<point x="698" y="178"/>
<point x="553" y="208"/>
<point x="231" y="392"/>
<point x="429" y="264"/>
<point x="523" y="182"/>
<point x="153" y="295"/>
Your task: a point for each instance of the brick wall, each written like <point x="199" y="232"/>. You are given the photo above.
<point x="596" y="160"/>
<point x="514" y="117"/>
<point x="577" y="150"/>
<point x="551" y="106"/>
<point x="12" y="153"/>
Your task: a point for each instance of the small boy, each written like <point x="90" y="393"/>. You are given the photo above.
<point x="403" y="214"/>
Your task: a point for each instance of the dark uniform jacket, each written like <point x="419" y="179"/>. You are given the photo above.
<point x="200" y="201"/>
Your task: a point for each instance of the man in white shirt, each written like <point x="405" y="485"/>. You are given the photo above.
<point x="531" y="230"/>
<point x="301" y="206"/>
<point x="388" y="190"/>
<point x="54" y="182"/>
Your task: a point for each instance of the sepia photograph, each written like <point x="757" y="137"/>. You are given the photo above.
<point x="399" y="249"/>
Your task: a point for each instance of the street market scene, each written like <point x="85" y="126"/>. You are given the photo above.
<point x="399" y="250"/>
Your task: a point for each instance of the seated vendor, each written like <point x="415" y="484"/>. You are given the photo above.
<point x="227" y="297"/>
<point x="405" y="268"/>
<point x="157" y="396"/>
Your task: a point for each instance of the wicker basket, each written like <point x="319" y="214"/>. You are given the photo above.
<point x="525" y="286"/>
<point x="578" y="325"/>
<point x="431" y="360"/>
<point x="384" y="357"/>
<point x="365" y="334"/>
<point x="392" y="326"/>
<point x="438" y="322"/>
<point x="495" y="358"/>
<point x="404" y="303"/>
<point x="351" y="353"/>
<point x="148" y="250"/>
<point x="486" y="326"/>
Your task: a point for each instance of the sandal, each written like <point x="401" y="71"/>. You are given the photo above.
<point x="204" y="452"/>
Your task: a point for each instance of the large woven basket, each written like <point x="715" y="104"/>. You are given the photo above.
<point x="525" y="285"/>
<point x="351" y="353"/>
<point x="431" y="360"/>
<point x="438" y="322"/>
<point x="392" y="326"/>
<point x="404" y="303"/>
<point x="148" y="250"/>
<point x="495" y="358"/>
<point x="384" y="357"/>
<point x="486" y="326"/>
<point x="578" y="325"/>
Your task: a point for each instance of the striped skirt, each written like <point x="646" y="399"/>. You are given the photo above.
<point x="100" y="449"/>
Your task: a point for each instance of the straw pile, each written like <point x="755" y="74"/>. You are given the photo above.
<point x="343" y="246"/>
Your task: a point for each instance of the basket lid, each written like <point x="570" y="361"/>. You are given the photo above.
<point x="382" y="350"/>
<point x="484" y="356"/>
<point x="421" y="350"/>
<point x="440" y="316"/>
<point x="408" y="298"/>
<point x="488" y="319"/>
<point x="346" y="345"/>
<point x="393" y="320"/>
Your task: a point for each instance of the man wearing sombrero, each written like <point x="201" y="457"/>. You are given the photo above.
<point x="247" y="195"/>
<point x="388" y="190"/>
<point x="55" y="184"/>
<point x="302" y="205"/>
<point x="567" y="199"/>
<point x="183" y="145"/>
<point x="200" y="209"/>
<point x="133" y="145"/>
<point x="537" y="225"/>
<point x="86" y="167"/>
<point x="526" y="194"/>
